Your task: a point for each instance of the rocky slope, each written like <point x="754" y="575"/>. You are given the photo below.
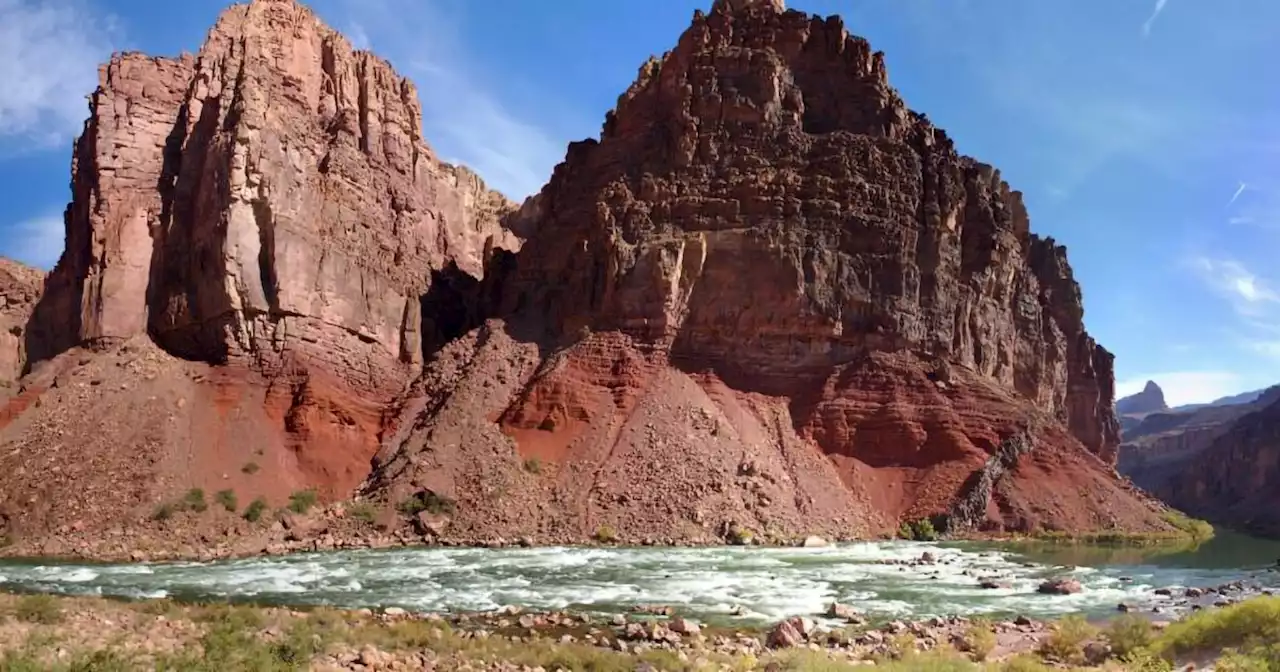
<point x="770" y="298"/>
<point x="250" y="235"/>
<point x="20" y="287"/>
<point x="768" y="301"/>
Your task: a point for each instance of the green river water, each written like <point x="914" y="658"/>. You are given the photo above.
<point x="713" y="583"/>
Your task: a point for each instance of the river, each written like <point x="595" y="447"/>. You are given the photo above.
<point x="718" y="584"/>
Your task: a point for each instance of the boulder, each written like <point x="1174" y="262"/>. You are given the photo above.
<point x="789" y="633"/>
<point x="1060" y="586"/>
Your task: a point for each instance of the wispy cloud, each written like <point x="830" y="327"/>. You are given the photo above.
<point x="465" y="119"/>
<point x="37" y="242"/>
<point x="1258" y="206"/>
<point x="49" y="55"/>
<point x="1247" y="292"/>
<point x="1186" y="387"/>
<point x="1155" y="13"/>
<point x="1236" y="196"/>
<point x="1255" y="301"/>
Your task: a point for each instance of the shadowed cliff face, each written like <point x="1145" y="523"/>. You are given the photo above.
<point x="1215" y="462"/>
<point x="770" y="295"/>
<point x="1234" y="480"/>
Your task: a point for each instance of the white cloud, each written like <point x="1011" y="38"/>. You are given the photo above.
<point x="1146" y="26"/>
<point x="1186" y="387"/>
<point x="37" y="242"/>
<point x="463" y="115"/>
<point x="49" y="56"/>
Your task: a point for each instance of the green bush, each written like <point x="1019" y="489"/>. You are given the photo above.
<point x="429" y="501"/>
<point x="920" y="530"/>
<point x="253" y="512"/>
<point x="302" y="501"/>
<point x="1198" y="530"/>
<point x="250" y="468"/>
<point x="1245" y="626"/>
<point x="227" y="498"/>
<point x="533" y="465"/>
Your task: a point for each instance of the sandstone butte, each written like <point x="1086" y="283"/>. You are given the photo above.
<point x="769" y="298"/>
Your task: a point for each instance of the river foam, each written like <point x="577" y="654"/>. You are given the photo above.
<point x="756" y="584"/>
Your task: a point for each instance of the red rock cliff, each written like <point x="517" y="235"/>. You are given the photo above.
<point x="771" y="291"/>
<point x="268" y="214"/>
<point x="271" y="198"/>
<point x="19" y="288"/>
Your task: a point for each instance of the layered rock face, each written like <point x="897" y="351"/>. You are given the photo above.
<point x="1149" y="400"/>
<point x="20" y="286"/>
<point x="772" y="296"/>
<point x="269" y="200"/>
<point x="268" y="214"/>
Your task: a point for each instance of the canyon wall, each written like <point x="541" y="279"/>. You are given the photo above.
<point x="768" y="301"/>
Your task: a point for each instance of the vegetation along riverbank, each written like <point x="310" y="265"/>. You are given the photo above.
<point x="43" y="632"/>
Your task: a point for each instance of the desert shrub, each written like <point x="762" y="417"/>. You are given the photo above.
<point x="250" y="468"/>
<point x="1128" y="634"/>
<point x="302" y="501"/>
<point x="1023" y="663"/>
<point x="980" y="639"/>
<point x="164" y="511"/>
<point x="605" y="534"/>
<point x="253" y="512"/>
<point x="194" y="500"/>
<point x="1067" y="640"/>
<point x="227" y="498"/>
<point x="533" y="465"/>
<point x="42" y="609"/>
<point x="1245" y="626"/>
<point x="429" y="501"/>
<point x="362" y="511"/>
<point x="1256" y="659"/>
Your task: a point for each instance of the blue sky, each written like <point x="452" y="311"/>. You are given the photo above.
<point x="1143" y="133"/>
